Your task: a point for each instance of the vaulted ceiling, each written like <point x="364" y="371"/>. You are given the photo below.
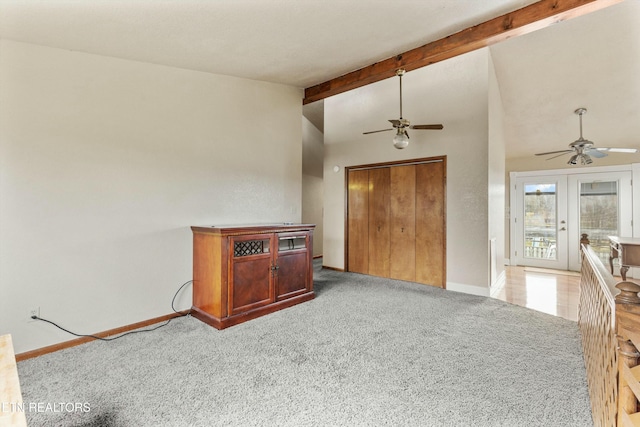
<point x="298" y="43"/>
<point x="591" y="61"/>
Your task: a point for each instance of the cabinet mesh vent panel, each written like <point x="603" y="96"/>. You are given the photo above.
<point x="249" y="247"/>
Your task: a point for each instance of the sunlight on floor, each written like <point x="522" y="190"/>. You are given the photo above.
<point x="542" y="292"/>
<point x="549" y="292"/>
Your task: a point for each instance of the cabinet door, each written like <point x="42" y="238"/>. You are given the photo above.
<point x="379" y="222"/>
<point x="402" y="264"/>
<point x="358" y="217"/>
<point x="292" y="276"/>
<point x="430" y="224"/>
<point x="251" y="273"/>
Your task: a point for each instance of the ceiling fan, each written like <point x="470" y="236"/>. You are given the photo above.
<point x="401" y="139"/>
<point x="584" y="149"/>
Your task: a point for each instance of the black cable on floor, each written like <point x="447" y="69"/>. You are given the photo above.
<point x="130" y="332"/>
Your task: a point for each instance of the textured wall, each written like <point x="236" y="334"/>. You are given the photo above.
<point x="496" y="174"/>
<point x="452" y="92"/>
<point x="312" y="184"/>
<point x="104" y="165"/>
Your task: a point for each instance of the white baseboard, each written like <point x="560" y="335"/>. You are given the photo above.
<point x="468" y="289"/>
<point x="507" y="261"/>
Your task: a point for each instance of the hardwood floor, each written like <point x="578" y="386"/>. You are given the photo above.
<point x="550" y="291"/>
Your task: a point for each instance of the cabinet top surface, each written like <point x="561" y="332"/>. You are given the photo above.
<point x="252" y="228"/>
<point x="625" y="240"/>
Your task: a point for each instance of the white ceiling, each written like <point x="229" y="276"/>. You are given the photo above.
<point x="295" y="42"/>
<point x="591" y="61"/>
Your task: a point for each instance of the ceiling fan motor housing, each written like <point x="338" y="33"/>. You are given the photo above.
<point x="400" y="123"/>
<point x="401" y="139"/>
<point x="581" y="143"/>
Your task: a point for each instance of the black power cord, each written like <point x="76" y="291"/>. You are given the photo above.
<point x="182" y="314"/>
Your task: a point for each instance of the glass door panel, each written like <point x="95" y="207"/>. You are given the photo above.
<point x="541" y="232"/>
<point x="601" y="206"/>
<point x="540" y="221"/>
<point x="599" y="215"/>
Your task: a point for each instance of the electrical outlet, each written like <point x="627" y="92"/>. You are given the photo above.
<point x="34" y="311"/>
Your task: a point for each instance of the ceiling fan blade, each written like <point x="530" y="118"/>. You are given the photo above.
<point x="618" y="150"/>
<point x="554" y="152"/>
<point x="596" y="153"/>
<point x="395" y="123"/>
<point x="561" y="154"/>
<point x="376" y="131"/>
<point x="427" y="127"/>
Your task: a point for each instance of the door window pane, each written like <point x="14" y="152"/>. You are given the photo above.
<point x="540" y="221"/>
<point x="599" y="215"/>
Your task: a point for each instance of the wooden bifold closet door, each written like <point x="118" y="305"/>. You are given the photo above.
<point x="396" y="221"/>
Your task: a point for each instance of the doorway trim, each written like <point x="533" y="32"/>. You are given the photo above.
<point x="407" y="162"/>
<point x="513" y="177"/>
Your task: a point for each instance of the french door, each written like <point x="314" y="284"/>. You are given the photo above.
<point x="541" y="222"/>
<point x="553" y="211"/>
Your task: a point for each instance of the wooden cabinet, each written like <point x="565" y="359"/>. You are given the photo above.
<point x="243" y="272"/>
<point x="628" y="250"/>
<point x="396" y="220"/>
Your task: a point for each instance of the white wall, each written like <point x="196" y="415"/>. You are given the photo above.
<point x="452" y="92"/>
<point x="496" y="175"/>
<point x="312" y="185"/>
<point x="104" y="165"/>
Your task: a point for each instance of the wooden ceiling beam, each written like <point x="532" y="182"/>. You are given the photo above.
<point x="522" y="21"/>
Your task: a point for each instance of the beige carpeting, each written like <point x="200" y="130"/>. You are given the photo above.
<point x="366" y="352"/>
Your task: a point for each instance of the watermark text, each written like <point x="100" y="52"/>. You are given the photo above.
<point x="54" y="407"/>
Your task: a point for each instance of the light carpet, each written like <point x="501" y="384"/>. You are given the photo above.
<point x="366" y="352"/>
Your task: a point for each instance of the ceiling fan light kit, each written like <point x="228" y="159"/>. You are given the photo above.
<point x="583" y="158"/>
<point x="584" y="149"/>
<point x="401" y="138"/>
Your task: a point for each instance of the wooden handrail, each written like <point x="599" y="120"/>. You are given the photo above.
<point x="628" y="335"/>
<point x="596" y="320"/>
<point x="609" y="321"/>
